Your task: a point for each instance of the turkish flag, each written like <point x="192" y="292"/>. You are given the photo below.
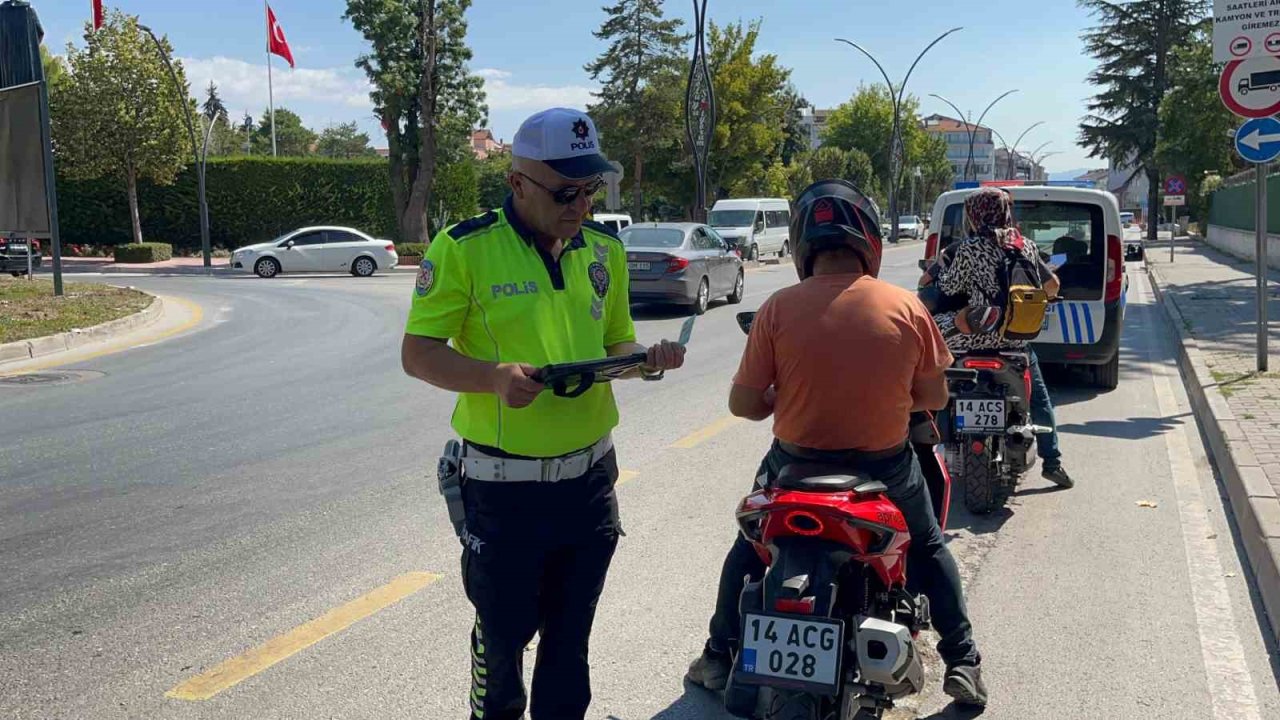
<point x="276" y="44"/>
<point x="97" y="14"/>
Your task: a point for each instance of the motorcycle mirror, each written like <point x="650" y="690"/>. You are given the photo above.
<point x="744" y="321"/>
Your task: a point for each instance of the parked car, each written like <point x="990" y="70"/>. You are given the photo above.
<point x="681" y="263"/>
<point x="317" y="249"/>
<point x="1079" y="231"/>
<point x="1133" y="237"/>
<point x="911" y="226"/>
<point x="757" y="225"/>
<point x="14" y="252"/>
<point x="617" y="221"/>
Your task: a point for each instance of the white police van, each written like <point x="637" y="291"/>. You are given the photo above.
<point x="1081" y="229"/>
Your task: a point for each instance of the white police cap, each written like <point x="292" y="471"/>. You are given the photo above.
<point x="565" y="139"/>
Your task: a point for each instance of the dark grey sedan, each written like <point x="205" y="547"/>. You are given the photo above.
<point x="681" y="263"/>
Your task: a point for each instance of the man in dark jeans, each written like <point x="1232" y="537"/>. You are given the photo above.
<point x="850" y="404"/>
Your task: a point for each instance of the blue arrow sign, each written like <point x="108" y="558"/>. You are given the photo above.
<point x="1258" y="140"/>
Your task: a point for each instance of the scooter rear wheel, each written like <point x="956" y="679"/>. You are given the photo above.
<point x="983" y="491"/>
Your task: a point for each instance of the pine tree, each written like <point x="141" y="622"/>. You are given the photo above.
<point x="638" y="76"/>
<point x="213" y="103"/>
<point x="1133" y="43"/>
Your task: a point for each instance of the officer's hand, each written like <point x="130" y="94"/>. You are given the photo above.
<point x="514" y="383"/>
<point x="666" y="355"/>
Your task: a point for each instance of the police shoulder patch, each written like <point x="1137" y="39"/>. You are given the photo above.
<point x="600" y="228"/>
<point x="426" y="278"/>
<point x="599" y="275"/>
<point x="471" y="225"/>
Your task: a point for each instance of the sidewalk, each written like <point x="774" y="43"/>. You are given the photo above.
<point x="175" y="266"/>
<point x="1210" y="302"/>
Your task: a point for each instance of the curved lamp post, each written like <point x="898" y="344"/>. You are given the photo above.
<point x="1036" y="162"/>
<point x="895" y="141"/>
<point x="972" y="127"/>
<point x="195" y="149"/>
<point x="1013" y="170"/>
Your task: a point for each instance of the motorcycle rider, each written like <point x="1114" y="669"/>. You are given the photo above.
<point x="840" y="361"/>
<point x="971" y="268"/>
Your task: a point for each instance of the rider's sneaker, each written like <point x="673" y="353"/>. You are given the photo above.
<point x="1057" y="475"/>
<point x="964" y="684"/>
<point x="710" y="670"/>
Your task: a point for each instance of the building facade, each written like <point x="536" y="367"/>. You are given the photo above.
<point x="483" y="145"/>
<point x="956" y="134"/>
<point x="814" y="121"/>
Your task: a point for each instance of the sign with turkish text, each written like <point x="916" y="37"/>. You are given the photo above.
<point x="1175" y="200"/>
<point x="1245" y="29"/>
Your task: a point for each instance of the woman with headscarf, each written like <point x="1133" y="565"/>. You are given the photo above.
<point x="976" y="270"/>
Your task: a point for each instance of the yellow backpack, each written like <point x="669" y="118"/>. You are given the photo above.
<point x="1025" y="300"/>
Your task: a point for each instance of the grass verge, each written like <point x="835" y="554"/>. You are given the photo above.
<point x="28" y="308"/>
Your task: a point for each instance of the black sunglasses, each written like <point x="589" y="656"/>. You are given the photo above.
<point x="566" y="195"/>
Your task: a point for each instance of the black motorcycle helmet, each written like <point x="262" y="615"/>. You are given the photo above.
<point x="831" y="214"/>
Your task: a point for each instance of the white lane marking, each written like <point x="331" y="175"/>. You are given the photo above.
<point x="1227" y="671"/>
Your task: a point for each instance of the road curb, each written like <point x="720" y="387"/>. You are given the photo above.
<point x="1253" y="500"/>
<point x="22" y="350"/>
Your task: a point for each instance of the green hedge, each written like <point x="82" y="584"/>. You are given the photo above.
<point x="1233" y="207"/>
<point x="251" y="200"/>
<point x="147" y="252"/>
<point x="418" y="249"/>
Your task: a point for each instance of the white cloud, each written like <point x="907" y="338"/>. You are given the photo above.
<point x="501" y="94"/>
<point x="244" y="85"/>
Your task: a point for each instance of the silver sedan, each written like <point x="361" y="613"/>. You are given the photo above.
<point x="681" y="263"/>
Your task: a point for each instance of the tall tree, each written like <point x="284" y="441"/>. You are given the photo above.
<point x="293" y="139"/>
<point x="118" y="112"/>
<point x="636" y="74"/>
<point x="55" y="70"/>
<point x="213" y="103"/>
<point x="795" y="140"/>
<point x="344" y="141"/>
<point x="492" y="179"/>
<point x="1193" y="122"/>
<point x="423" y="92"/>
<point x="1133" y="43"/>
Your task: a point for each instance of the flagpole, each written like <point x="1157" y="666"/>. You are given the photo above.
<point x="271" y="98"/>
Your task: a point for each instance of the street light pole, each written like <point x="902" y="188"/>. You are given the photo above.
<point x="195" y="149"/>
<point x="1012" y="162"/>
<point x="896" y="140"/>
<point x="1004" y="145"/>
<point x="699" y="111"/>
<point x="973" y="127"/>
<point x="1036" y="162"/>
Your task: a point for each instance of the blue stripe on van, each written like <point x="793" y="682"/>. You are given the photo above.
<point x="1075" y="321"/>
<point x="1088" y="323"/>
<point x="1062" y="320"/>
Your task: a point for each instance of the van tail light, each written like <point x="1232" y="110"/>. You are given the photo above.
<point x="983" y="364"/>
<point x="931" y="246"/>
<point x="676" y="264"/>
<point x="1115" y="269"/>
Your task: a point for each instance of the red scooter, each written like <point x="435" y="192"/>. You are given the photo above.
<point x="830" y="629"/>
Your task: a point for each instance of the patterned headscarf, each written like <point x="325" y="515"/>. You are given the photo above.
<point x="988" y="214"/>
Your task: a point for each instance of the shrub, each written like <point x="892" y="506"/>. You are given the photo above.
<point x="416" y="249"/>
<point x="147" y="252"/>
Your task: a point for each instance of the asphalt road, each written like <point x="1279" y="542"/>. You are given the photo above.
<point x="198" y="500"/>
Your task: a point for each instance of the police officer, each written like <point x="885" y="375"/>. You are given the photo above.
<point x="512" y="290"/>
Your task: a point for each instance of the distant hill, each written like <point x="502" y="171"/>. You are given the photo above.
<point x="1069" y="174"/>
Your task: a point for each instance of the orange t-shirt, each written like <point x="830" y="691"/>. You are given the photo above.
<point x="843" y="352"/>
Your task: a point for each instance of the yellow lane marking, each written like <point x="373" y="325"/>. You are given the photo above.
<point x="110" y="347"/>
<point x="208" y="684"/>
<point x="625" y="476"/>
<point x="700" y="436"/>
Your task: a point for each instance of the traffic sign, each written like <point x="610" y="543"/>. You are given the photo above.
<point x="1251" y="88"/>
<point x="1175" y="200"/>
<point x="1245" y="29"/>
<point x="1175" y="185"/>
<point x="1258" y="141"/>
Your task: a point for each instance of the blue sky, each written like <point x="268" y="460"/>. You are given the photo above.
<point x="531" y="53"/>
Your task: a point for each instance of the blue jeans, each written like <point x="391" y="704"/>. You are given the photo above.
<point x="1042" y="414"/>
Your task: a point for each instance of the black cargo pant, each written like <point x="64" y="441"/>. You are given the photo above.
<point x="930" y="566"/>
<point x="534" y="560"/>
